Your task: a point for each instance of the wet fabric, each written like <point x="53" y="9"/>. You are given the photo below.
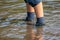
<point x="33" y="2"/>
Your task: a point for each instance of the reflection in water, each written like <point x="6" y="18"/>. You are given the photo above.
<point x="39" y="33"/>
<point x="31" y="34"/>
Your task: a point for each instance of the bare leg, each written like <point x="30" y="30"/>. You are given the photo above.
<point x="29" y="8"/>
<point x="30" y="12"/>
<point x="39" y="10"/>
<point x="39" y="14"/>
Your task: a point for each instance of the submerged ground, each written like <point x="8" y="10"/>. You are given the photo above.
<point x="13" y="27"/>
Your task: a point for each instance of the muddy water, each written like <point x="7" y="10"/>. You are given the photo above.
<point x="13" y="27"/>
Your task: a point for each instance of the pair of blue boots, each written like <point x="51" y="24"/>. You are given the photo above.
<point x="39" y="21"/>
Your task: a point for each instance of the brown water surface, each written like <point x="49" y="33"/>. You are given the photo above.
<point x="13" y="27"/>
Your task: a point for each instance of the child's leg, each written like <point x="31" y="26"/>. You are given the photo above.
<point x="30" y="11"/>
<point x="39" y="14"/>
<point x="39" y="10"/>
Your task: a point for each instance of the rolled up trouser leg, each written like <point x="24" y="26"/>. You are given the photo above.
<point x="33" y="3"/>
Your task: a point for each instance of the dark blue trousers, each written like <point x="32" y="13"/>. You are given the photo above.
<point x="33" y="2"/>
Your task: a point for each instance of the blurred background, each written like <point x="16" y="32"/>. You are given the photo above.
<point x="12" y="26"/>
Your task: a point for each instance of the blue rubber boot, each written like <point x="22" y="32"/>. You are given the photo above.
<point x="30" y="16"/>
<point x="40" y="21"/>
